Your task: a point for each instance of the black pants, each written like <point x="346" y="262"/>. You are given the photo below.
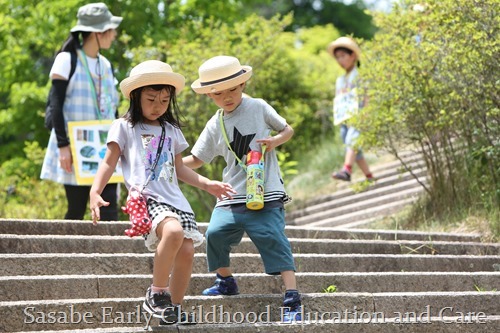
<point x="78" y="197"/>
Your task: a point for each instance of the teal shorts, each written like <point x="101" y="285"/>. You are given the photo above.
<point x="265" y="227"/>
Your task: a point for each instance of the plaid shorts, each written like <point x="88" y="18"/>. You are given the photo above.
<point x="158" y="211"/>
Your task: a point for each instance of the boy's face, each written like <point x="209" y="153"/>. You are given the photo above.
<point x="345" y="60"/>
<point x="228" y="99"/>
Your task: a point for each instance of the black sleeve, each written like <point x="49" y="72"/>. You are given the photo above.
<point x="57" y="102"/>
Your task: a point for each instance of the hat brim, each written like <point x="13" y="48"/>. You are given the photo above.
<point x="220" y="86"/>
<point x="336" y="44"/>
<point x="113" y="23"/>
<point x="147" y="79"/>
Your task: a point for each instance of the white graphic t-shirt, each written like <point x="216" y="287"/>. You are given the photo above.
<point x="139" y="147"/>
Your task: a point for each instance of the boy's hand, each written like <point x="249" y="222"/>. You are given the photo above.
<point x="269" y="142"/>
<point x="219" y="189"/>
<point x="96" y="201"/>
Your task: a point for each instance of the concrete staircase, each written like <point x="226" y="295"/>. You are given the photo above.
<point x="394" y="190"/>
<point x="70" y="276"/>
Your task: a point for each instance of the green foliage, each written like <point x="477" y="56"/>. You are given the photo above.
<point x="349" y="19"/>
<point x="433" y="87"/>
<point x="330" y="289"/>
<point x="23" y="195"/>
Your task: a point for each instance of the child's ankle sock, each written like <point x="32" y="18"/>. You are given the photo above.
<point x="369" y="176"/>
<point x="157" y="290"/>
<point x="223" y="277"/>
<point x="348" y="168"/>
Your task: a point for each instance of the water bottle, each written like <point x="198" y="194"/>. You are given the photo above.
<point x="255" y="179"/>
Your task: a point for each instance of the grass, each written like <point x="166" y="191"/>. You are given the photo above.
<point x="314" y="173"/>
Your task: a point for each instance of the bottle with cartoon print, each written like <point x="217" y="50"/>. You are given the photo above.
<point x="255" y="179"/>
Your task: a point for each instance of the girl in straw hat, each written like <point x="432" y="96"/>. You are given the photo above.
<point x="244" y="124"/>
<point x="149" y="141"/>
<point x="346" y="104"/>
<point x="89" y="94"/>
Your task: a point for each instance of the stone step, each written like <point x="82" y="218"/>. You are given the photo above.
<point x="350" y="205"/>
<point x="139" y="263"/>
<point x="65" y="227"/>
<point x="378" y="212"/>
<point x="391" y="177"/>
<point x="123" y="244"/>
<point x="407" y="324"/>
<point x="51" y="287"/>
<point x="102" y="313"/>
<point x="355" y="198"/>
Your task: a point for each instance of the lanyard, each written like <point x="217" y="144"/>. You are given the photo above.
<point x="223" y="129"/>
<point x="224" y="133"/>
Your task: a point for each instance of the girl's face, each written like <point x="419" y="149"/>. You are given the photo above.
<point x="346" y="61"/>
<point x="154" y="104"/>
<point x="106" y="38"/>
<point x="228" y="99"/>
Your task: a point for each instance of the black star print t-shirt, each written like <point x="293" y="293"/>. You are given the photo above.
<point x="254" y="119"/>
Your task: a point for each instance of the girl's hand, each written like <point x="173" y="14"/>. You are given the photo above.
<point x="65" y="159"/>
<point x="96" y="201"/>
<point x="219" y="189"/>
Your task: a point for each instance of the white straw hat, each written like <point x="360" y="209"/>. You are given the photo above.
<point x="345" y="42"/>
<point x="220" y="73"/>
<point x="96" y="17"/>
<point x="151" y="72"/>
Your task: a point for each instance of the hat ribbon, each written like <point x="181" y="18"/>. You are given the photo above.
<point x="223" y="79"/>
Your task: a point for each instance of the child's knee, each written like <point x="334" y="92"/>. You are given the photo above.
<point x="187" y="249"/>
<point x="170" y="228"/>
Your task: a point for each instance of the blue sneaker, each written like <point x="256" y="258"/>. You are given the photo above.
<point x="292" y="307"/>
<point x="222" y="286"/>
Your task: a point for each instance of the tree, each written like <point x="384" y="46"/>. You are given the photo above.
<point x="432" y="72"/>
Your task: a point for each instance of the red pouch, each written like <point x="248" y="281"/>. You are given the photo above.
<point x="137" y="209"/>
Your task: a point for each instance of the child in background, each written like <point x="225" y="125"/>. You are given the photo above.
<point x="153" y="115"/>
<point x="247" y="123"/>
<point x="346" y="104"/>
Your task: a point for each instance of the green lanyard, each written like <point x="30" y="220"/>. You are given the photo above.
<point x="224" y="133"/>
<point x="223" y="129"/>
<point x="83" y="59"/>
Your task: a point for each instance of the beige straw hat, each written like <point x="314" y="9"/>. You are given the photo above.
<point x="345" y="42"/>
<point x="220" y="73"/>
<point x="151" y="72"/>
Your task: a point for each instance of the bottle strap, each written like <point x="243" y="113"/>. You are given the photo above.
<point x="224" y="133"/>
<point x="158" y="154"/>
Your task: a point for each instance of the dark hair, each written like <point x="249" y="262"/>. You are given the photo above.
<point x="134" y="112"/>
<point x="73" y="42"/>
<point x="348" y="51"/>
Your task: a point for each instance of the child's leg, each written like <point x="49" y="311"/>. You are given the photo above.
<point x="222" y="233"/>
<point x="266" y="229"/>
<point x="363" y="165"/>
<point x="181" y="273"/>
<point x="289" y="279"/>
<point x="171" y="237"/>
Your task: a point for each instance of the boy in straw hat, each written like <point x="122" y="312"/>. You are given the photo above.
<point x="149" y="141"/>
<point x="346" y="104"/>
<point x="240" y="125"/>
